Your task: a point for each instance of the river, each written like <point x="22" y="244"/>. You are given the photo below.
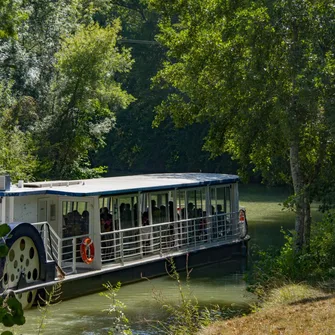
<point x="214" y="284"/>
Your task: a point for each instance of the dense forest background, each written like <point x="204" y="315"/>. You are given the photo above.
<point x="91" y="88"/>
<point x="56" y="121"/>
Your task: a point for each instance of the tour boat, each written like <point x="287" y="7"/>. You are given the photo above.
<point x="84" y="233"/>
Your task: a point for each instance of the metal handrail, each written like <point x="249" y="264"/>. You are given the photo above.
<point x="139" y="242"/>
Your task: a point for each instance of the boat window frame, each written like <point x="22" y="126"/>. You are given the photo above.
<point x="89" y="207"/>
<point x="215" y="187"/>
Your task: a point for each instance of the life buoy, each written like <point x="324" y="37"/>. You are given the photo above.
<point x="242" y="215"/>
<point x="87" y="250"/>
<point x="243" y="223"/>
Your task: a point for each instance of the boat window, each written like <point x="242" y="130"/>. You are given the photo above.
<point x="76" y="218"/>
<point x="220" y="199"/>
<point x="173" y="213"/>
<point x="160" y="207"/>
<point x="196" y="204"/>
<point x="181" y="204"/>
<point x="105" y="202"/>
<point x="128" y="211"/>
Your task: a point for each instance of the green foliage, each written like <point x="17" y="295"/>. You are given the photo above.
<point x="85" y="96"/>
<point x="120" y="323"/>
<point x="11" y="15"/>
<point x="223" y="64"/>
<point x="52" y="298"/>
<point x="16" y="154"/>
<point x="317" y="263"/>
<point x="260" y="74"/>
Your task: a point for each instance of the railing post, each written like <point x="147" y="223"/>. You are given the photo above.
<point x="160" y="240"/>
<point x="194" y="233"/>
<point x="74" y="255"/>
<point x="141" y="242"/>
<point x="59" y="252"/>
<point x="121" y="245"/>
<point x="45" y="239"/>
<point x="179" y="225"/>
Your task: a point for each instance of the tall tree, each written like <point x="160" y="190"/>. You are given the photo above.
<point x="261" y="73"/>
<point x="84" y="97"/>
<point x="134" y="145"/>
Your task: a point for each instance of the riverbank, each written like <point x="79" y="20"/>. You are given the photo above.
<point x="290" y="310"/>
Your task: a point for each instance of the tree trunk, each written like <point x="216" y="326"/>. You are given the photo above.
<point x="302" y="200"/>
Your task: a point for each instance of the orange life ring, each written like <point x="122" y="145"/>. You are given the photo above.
<point x="87" y="250"/>
<point x="242" y="215"/>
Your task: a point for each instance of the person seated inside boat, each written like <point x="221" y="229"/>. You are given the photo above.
<point x="122" y="208"/>
<point x="135" y="214"/>
<point x="155" y="211"/>
<point x="84" y="222"/>
<point x="190" y="211"/>
<point x="162" y="214"/>
<point x="126" y="217"/>
<point x="173" y="227"/>
<point x="106" y="220"/>
<point x="70" y="224"/>
<point x="219" y="209"/>
<point x="145" y="232"/>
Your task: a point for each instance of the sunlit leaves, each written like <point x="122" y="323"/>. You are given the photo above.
<point x="11" y="15"/>
<point x="86" y="94"/>
<point x="260" y="74"/>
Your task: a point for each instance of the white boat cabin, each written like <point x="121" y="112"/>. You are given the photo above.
<point x="127" y="218"/>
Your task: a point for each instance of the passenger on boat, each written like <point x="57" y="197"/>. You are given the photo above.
<point x="106" y="220"/>
<point x="135" y="214"/>
<point x="84" y="222"/>
<point x="173" y="227"/>
<point x="126" y="217"/>
<point x="162" y="210"/>
<point x="145" y="233"/>
<point x="190" y="211"/>
<point x="122" y="208"/>
<point x="155" y="211"/>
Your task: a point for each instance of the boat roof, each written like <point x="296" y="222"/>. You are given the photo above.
<point x="120" y="185"/>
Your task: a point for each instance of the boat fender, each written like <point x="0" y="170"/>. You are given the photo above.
<point x="87" y="250"/>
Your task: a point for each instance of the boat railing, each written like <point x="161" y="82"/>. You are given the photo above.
<point x="168" y="237"/>
<point x="64" y="251"/>
<point x="163" y="239"/>
<point x="50" y="239"/>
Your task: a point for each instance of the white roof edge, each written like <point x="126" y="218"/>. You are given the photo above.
<point x="121" y="184"/>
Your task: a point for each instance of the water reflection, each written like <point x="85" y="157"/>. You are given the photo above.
<point x="221" y="283"/>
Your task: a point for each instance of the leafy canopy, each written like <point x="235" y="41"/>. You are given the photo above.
<point x="85" y="96"/>
<point x="260" y="72"/>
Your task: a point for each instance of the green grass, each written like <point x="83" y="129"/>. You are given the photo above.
<point x="292" y="293"/>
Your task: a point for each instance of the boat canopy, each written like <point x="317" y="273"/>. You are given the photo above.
<point x="119" y="185"/>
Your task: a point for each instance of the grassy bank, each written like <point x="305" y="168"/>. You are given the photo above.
<point x="290" y="310"/>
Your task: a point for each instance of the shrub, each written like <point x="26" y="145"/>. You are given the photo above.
<point x="274" y="268"/>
